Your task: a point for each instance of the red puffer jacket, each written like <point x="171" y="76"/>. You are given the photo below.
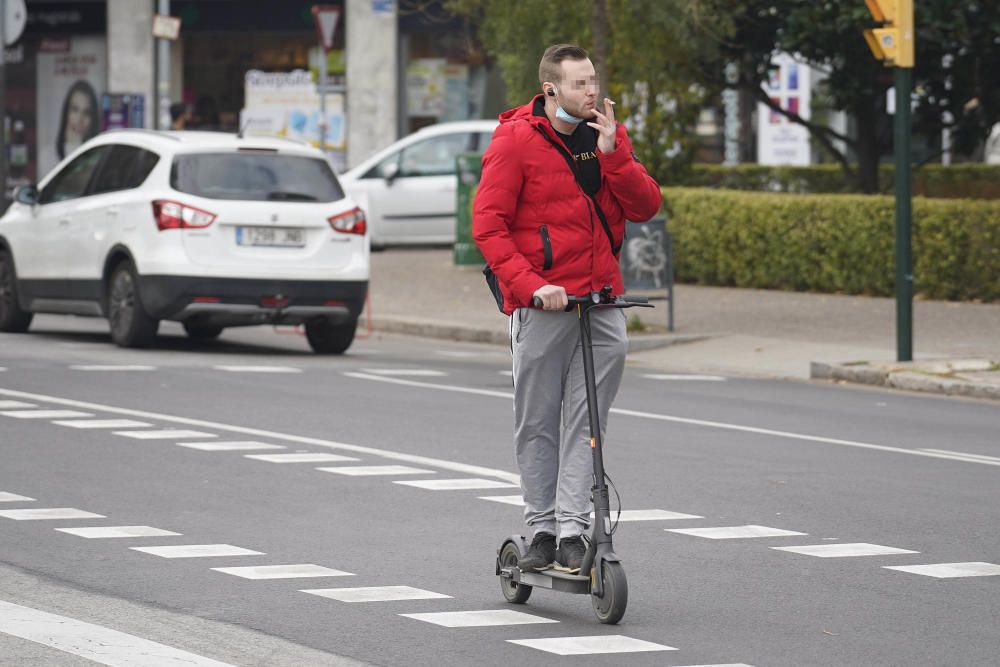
<point x="536" y="226"/>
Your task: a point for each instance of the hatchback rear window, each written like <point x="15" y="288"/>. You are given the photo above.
<point x="255" y="176"/>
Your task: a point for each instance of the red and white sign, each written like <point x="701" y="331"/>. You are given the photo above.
<point x="326" y="17"/>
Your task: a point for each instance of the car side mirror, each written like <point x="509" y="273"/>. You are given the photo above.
<point x="390" y="172"/>
<point x="26" y="194"/>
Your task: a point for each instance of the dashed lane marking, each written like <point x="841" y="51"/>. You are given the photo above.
<point x="591" y="645"/>
<point x="111" y="368"/>
<point x="977" y="458"/>
<point x="736" y="532"/>
<point x="94" y="642"/>
<point x="8" y="497"/>
<point x="305" y="457"/>
<point x="105" y="532"/>
<point x="102" y="423"/>
<point x="298" y="571"/>
<point x="48" y="514"/>
<point x="845" y="550"/>
<point x="44" y="414"/>
<point x="684" y="376"/>
<point x="11" y="405"/>
<point x="457" y="484"/>
<point x="950" y="570"/>
<point x="364" y="471"/>
<point x="376" y="594"/>
<point x="506" y="500"/>
<point x="414" y="372"/>
<point x="168" y="434"/>
<point x="678" y="420"/>
<point x="650" y="515"/>
<point x="454" y="466"/>
<point x="476" y="619"/>
<point x="197" y="551"/>
<point x="258" y="369"/>
<point x="233" y="446"/>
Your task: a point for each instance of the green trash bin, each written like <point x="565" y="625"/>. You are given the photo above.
<point x="469" y="169"/>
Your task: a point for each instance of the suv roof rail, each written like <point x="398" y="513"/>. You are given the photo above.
<point x="159" y="133"/>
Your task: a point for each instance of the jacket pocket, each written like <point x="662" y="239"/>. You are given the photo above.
<point x="546" y="247"/>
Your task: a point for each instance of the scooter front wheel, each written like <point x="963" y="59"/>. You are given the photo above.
<point x="512" y="591"/>
<point x="611" y="607"/>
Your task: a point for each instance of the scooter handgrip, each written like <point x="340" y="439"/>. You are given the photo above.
<point x="536" y="302"/>
<point x="635" y="299"/>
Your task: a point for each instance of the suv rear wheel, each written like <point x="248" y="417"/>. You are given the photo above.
<point x="131" y="326"/>
<point x="12" y="318"/>
<point x="327" y="338"/>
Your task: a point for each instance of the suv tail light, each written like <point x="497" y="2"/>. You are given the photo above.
<point x="173" y="215"/>
<point x="352" y="222"/>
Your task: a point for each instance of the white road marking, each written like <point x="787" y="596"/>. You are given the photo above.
<point x="591" y="645"/>
<point x="48" y="514"/>
<point x="728" y="664"/>
<point x="113" y="368"/>
<point x="306" y="457"/>
<point x="476" y="619"/>
<point x="8" y="497"/>
<point x="197" y="551"/>
<point x="845" y="550"/>
<point x="415" y="372"/>
<point x="364" y="471"/>
<point x="650" y="515"/>
<point x="734" y="532"/>
<point x="2" y="369"/>
<point x="12" y="405"/>
<point x="457" y="484"/>
<point x="671" y="418"/>
<point x="258" y="369"/>
<point x="242" y="445"/>
<point x="506" y="500"/>
<point x="298" y="571"/>
<point x="44" y="414"/>
<point x="682" y="377"/>
<point x="94" y="642"/>
<point x="103" y="532"/>
<point x="102" y="423"/>
<point x="375" y="594"/>
<point x="950" y="570"/>
<point x="169" y="434"/>
<point x="444" y="464"/>
<point x="964" y="455"/>
<point x="509" y="374"/>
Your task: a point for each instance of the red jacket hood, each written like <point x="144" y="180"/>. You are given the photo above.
<point x="525" y="112"/>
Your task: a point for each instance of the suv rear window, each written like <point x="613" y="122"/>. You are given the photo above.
<point x="255" y="176"/>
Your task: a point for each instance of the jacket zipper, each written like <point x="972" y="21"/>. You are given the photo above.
<point x="546" y="246"/>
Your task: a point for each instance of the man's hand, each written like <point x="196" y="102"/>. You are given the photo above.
<point x="552" y="297"/>
<point x="605" y="127"/>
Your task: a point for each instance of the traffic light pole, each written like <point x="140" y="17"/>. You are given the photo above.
<point x="904" y="255"/>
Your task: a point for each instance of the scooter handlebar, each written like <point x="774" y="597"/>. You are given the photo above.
<point x="596" y="299"/>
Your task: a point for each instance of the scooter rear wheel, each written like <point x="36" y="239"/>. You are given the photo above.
<point x="512" y="591"/>
<point x="610" y="608"/>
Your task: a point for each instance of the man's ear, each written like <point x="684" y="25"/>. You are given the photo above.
<point x="550" y="90"/>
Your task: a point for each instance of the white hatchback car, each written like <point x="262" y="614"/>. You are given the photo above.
<point x="211" y="230"/>
<point x="408" y="190"/>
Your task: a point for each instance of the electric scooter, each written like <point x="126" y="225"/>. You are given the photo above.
<point x="605" y="580"/>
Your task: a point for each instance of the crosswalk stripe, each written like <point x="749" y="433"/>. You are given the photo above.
<point x="11" y="405"/>
<point x="197" y="551"/>
<point x="258" y="369"/>
<point x="414" y="372"/>
<point x="684" y="376"/>
<point x="297" y="571"/>
<point x="375" y="594"/>
<point x="363" y="471"/>
<point x="113" y="368"/>
<point x="169" y="434"/>
<point x="242" y="445"/>
<point x="591" y="645"/>
<point x="506" y="500"/>
<point x="475" y="619"/>
<point x="94" y="642"/>
<point x="650" y="515"/>
<point x="950" y="570"/>
<point x="735" y="532"/>
<point x="304" y="457"/>
<point x="8" y="497"/>
<point x="457" y="484"/>
<point x="49" y="514"/>
<point x="101" y="423"/>
<point x="845" y="550"/>
<point x="105" y="532"/>
<point x="44" y="414"/>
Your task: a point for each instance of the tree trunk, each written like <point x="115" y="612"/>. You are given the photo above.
<point x="599" y="45"/>
<point x="868" y="147"/>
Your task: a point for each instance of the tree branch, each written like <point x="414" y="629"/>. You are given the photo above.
<point x="822" y="133"/>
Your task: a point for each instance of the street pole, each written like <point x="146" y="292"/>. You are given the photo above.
<point x="904" y="255"/>
<point x="163" y="73"/>
<point x="3" y="106"/>
<point x="322" y="100"/>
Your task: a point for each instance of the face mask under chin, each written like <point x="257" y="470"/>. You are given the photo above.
<point x="564" y="116"/>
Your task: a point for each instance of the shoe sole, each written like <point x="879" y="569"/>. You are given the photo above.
<point x="567" y="570"/>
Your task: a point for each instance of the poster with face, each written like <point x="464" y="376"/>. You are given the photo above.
<point x="72" y="76"/>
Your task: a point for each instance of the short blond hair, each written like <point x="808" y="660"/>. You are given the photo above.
<point x="550" y="67"/>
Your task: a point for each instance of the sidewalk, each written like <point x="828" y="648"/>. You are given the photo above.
<point x="758" y="333"/>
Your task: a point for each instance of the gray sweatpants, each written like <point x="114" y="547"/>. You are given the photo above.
<point x="551" y="423"/>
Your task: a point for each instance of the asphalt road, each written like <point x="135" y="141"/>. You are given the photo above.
<point x="833" y="465"/>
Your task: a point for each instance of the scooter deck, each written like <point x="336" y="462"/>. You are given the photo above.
<point x="551" y="579"/>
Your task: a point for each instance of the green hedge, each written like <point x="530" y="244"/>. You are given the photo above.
<point x="833" y="243"/>
<point x="960" y="181"/>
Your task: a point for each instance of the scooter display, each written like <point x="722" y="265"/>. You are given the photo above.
<point x="605" y="582"/>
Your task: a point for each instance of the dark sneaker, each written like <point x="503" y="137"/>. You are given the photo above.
<point x="540" y="554"/>
<point x="570" y="554"/>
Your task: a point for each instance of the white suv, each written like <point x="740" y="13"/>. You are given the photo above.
<point x="211" y="230"/>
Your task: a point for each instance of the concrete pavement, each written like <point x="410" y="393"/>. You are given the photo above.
<point x="759" y="333"/>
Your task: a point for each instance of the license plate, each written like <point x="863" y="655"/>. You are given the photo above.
<point x="279" y="237"/>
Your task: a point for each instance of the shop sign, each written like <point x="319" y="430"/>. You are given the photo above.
<point x="166" y="27"/>
<point x="780" y="141"/>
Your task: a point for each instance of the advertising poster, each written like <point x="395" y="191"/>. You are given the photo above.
<point x="72" y="77"/>
<point x="425" y="87"/>
<point x="780" y="141"/>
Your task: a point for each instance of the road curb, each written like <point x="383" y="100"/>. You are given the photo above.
<point x="908" y="377"/>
